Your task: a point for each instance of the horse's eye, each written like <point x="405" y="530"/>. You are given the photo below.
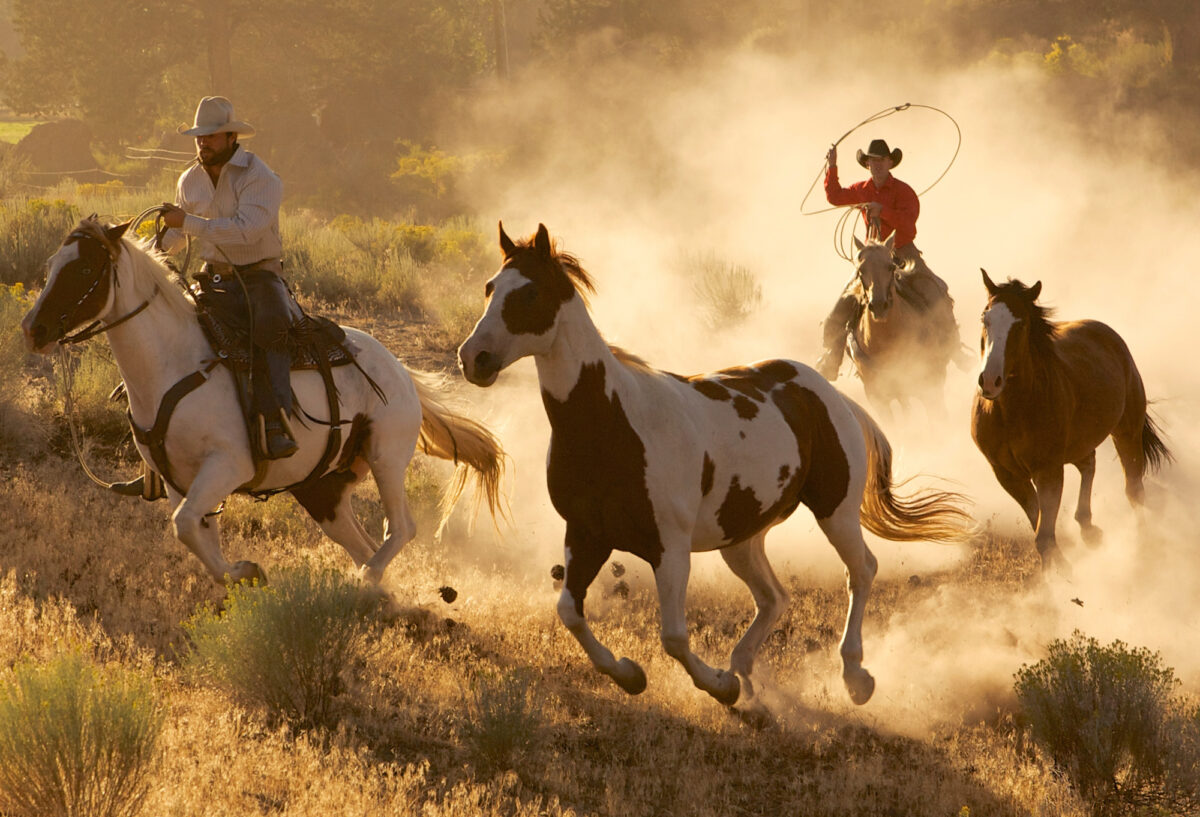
<point x="85" y="271"/>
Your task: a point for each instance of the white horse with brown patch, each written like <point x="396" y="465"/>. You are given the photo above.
<point x="99" y="275"/>
<point x="661" y="465"/>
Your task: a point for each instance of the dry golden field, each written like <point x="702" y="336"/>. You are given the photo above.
<point x="945" y="630"/>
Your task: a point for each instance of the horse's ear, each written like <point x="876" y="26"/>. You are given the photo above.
<point x="987" y="282"/>
<point x="506" y="243"/>
<point x="890" y="243"/>
<point x="115" y="232"/>
<point x="541" y="241"/>
<point x="858" y="244"/>
<point x="1035" y="290"/>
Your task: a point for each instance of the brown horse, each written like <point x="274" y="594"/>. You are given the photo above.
<point x="899" y="345"/>
<point x="1049" y="393"/>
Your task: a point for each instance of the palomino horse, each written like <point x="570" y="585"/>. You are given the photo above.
<point x="661" y="465"/>
<point x="157" y="342"/>
<point x="1049" y="393"/>
<point x="900" y="348"/>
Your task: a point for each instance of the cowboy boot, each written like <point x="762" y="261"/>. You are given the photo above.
<point x="277" y="438"/>
<point x="149" y="486"/>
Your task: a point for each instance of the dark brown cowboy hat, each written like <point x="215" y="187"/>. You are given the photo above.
<point x="879" y="149"/>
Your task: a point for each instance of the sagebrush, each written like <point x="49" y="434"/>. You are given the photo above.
<point x="76" y="739"/>
<point x="287" y="646"/>
<point x="1110" y="718"/>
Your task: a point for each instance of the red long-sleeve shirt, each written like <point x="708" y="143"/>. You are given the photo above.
<point x="900" y="204"/>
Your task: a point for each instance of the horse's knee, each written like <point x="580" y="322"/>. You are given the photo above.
<point x="186" y="524"/>
<point x="676" y="645"/>
<point x="568" y="612"/>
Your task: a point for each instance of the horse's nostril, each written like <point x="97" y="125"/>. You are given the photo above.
<point x="485" y="362"/>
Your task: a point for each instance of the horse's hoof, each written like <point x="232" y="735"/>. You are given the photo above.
<point x="245" y="571"/>
<point x="630" y="677"/>
<point x="860" y="685"/>
<point x="729" y="688"/>
<point x="1092" y="535"/>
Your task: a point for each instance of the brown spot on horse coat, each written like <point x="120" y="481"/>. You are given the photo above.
<point x="706" y="475"/>
<point x="596" y="475"/>
<point x="817" y="442"/>
<point x="742" y="514"/>
<point x="531" y="308"/>
<point x="322" y="497"/>
<point x="711" y="389"/>
<point x="746" y="408"/>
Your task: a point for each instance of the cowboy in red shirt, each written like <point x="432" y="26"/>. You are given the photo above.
<point x="892" y="207"/>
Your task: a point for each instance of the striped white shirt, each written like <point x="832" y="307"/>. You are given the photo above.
<point x="237" y="220"/>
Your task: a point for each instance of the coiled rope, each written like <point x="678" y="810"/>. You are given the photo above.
<point x="843" y="237"/>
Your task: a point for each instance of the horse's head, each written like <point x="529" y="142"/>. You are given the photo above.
<point x="525" y="299"/>
<point x="1008" y="319"/>
<point x="80" y="284"/>
<point x="876" y="272"/>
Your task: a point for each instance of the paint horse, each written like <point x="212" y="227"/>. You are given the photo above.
<point x="660" y="465"/>
<point x="99" y="274"/>
<point x="1049" y="393"/>
<point x="900" y="348"/>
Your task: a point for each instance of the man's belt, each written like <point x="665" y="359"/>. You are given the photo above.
<point x="216" y="271"/>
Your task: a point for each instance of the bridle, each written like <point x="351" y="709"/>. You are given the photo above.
<point x="98" y="327"/>
<point x="891" y="291"/>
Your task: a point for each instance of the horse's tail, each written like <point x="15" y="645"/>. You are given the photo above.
<point x="1154" y="449"/>
<point x="465" y="442"/>
<point x="932" y="515"/>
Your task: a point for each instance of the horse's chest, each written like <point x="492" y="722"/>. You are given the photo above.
<point x="596" y="470"/>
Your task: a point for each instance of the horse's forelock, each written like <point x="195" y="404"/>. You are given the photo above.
<point x="1019" y="299"/>
<point x="567" y="263"/>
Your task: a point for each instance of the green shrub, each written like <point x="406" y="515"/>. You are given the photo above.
<point x="505" y="714"/>
<point x="287" y="646"/>
<point x="76" y="740"/>
<point x="30" y="232"/>
<point x="728" y="293"/>
<point x="1108" y="717"/>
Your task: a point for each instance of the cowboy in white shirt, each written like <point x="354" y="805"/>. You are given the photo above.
<point x="229" y="203"/>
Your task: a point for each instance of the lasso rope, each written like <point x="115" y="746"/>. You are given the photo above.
<point x="67" y="370"/>
<point x="841" y="242"/>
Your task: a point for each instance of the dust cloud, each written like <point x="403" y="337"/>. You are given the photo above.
<point x="634" y="172"/>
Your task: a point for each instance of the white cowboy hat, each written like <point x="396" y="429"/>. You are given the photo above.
<point x="214" y="114"/>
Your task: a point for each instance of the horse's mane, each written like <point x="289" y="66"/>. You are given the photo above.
<point x="905" y="266"/>
<point x="147" y="265"/>
<point x="631" y="360"/>
<point x="570" y="265"/>
<point x="1018" y="298"/>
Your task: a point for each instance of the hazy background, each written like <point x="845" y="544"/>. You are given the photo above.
<point x="640" y="135"/>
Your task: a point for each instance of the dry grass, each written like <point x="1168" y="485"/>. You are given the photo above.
<point x="408" y="740"/>
<point x="415" y="736"/>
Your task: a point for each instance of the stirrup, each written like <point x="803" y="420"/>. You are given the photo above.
<point x="276" y="439"/>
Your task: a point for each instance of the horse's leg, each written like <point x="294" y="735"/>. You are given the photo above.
<point x="201" y="533"/>
<point x="583" y="562"/>
<point x="1133" y="459"/>
<point x="671" y="577"/>
<point x="1083" y="509"/>
<point x="844" y="531"/>
<point x="328" y="503"/>
<point x="1020" y="488"/>
<point x="1049" y="484"/>
<point x="399" y="527"/>
<point x="748" y="561"/>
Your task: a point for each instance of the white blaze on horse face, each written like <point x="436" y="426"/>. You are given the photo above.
<point x="55" y="265"/>
<point x="998" y="321"/>
<point x="491" y="347"/>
